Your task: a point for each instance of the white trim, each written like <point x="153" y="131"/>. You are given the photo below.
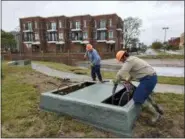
<point x="51" y="30"/>
<point x="51" y="41"/>
<point x="36" y="42"/>
<point x="75" y="41"/>
<point x="102" y="29"/>
<point x="60" y="42"/>
<point x="76" y="29"/>
<point x="111" y="41"/>
<point x="85" y="42"/>
<point x="101" y="40"/>
<point x="27" y="30"/>
<point x="119" y="29"/>
<point x="30" y="42"/>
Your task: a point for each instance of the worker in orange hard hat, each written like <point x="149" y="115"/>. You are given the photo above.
<point x="141" y="71"/>
<point x="95" y="60"/>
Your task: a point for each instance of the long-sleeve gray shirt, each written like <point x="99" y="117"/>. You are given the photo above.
<point x="135" y="67"/>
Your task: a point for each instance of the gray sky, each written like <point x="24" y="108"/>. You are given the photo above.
<point x="154" y="15"/>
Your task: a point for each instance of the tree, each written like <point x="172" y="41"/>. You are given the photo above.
<point x="132" y="29"/>
<point x="157" y="45"/>
<point x="7" y="40"/>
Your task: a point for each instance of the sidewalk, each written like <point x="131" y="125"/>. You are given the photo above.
<point x="162" y="88"/>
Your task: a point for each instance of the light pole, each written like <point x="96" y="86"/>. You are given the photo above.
<point x="165" y="29"/>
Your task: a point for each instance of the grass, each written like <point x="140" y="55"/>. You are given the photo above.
<point x="21" y="116"/>
<point x="107" y="74"/>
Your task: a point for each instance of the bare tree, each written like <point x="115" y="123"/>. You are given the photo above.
<point x="131" y="30"/>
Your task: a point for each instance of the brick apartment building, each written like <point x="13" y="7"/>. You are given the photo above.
<point x="174" y="41"/>
<point x="61" y="34"/>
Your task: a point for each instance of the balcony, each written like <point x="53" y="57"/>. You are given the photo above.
<point x="111" y="42"/>
<point x="28" y="30"/>
<point x="101" y="39"/>
<point x="36" y="43"/>
<point x="76" y="29"/>
<point x="52" y="30"/>
<point x="60" y="42"/>
<point x="102" y="28"/>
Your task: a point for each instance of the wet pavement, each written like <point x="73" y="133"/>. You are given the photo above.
<point x="162" y="88"/>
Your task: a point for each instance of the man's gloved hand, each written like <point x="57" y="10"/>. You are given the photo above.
<point x="92" y="65"/>
<point x="115" y="81"/>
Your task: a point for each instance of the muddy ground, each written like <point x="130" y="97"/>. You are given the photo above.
<point x="166" y="127"/>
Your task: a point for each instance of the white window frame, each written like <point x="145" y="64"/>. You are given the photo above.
<point x="36" y="25"/>
<point x="102" y="38"/>
<point x="24" y="26"/>
<point x="95" y="34"/>
<point x="77" y="24"/>
<point x="60" y="24"/>
<point x="110" y="22"/>
<point x="53" y="26"/>
<point x="70" y="24"/>
<point x="85" y="23"/>
<point x="95" y="24"/>
<point x="85" y="35"/>
<point x="61" y="36"/>
<point x="111" y="35"/>
<point x="29" y="26"/>
<point x="37" y="36"/>
<point x="102" y="23"/>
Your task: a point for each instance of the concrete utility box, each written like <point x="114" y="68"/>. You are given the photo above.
<point x="91" y="104"/>
<point x="20" y="62"/>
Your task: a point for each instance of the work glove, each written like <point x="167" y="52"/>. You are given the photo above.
<point x="115" y="81"/>
<point x="92" y="65"/>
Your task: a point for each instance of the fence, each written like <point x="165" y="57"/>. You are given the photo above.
<point x="66" y="58"/>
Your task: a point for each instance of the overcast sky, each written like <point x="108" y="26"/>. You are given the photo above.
<point x="154" y="15"/>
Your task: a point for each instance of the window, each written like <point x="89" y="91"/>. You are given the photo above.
<point x="95" y="25"/>
<point x="29" y="26"/>
<point x="85" y="25"/>
<point x="95" y="35"/>
<point x="53" y="26"/>
<point x="35" y="24"/>
<point x="102" y="36"/>
<point x="28" y="36"/>
<point x="52" y="36"/>
<point x="71" y="24"/>
<point x="24" y="26"/>
<point x="36" y="36"/>
<point x="85" y="36"/>
<point x="110" y="22"/>
<point x="110" y="34"/>
<point x="61" y="36"/>
<point x="60" y="24"/>
<point x="102" y="24"/>
<point x="77" y="25"/>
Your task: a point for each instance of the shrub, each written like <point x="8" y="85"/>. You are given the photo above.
<point x="157" y="45"/>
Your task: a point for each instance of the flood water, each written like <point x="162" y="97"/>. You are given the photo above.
<point x="162" y="71"/>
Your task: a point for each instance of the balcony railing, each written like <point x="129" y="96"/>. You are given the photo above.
<point x="27" y="29"/>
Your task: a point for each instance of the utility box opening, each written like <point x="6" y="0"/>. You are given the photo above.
<point x="69" y="89"/>
<point x="120" y="98"/>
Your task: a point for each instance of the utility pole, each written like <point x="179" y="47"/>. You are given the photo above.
<point x="165" y="28"/>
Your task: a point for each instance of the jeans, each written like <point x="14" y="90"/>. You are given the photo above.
<point x="95" y="70"/>
<point x="145" y="88"/>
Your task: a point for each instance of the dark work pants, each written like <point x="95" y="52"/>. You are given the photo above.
<point x="144" y="89"/>
<point x="95" y="70"/>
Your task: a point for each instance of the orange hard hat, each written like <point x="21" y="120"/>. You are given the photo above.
<point x="89" y="47"/>
<point x="119" y="55"/>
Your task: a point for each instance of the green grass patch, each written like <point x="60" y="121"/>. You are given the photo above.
<point x="21" y="116"/>
<point x="107" y="74"/>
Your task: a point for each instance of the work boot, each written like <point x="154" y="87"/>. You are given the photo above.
<point x="155" y="118"/>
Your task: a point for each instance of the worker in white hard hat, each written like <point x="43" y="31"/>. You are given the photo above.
<point x="138" y="69"/>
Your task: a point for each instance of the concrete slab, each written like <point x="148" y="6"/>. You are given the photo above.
<point x="20" y="62"/>
<point x="89" y="105"/>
